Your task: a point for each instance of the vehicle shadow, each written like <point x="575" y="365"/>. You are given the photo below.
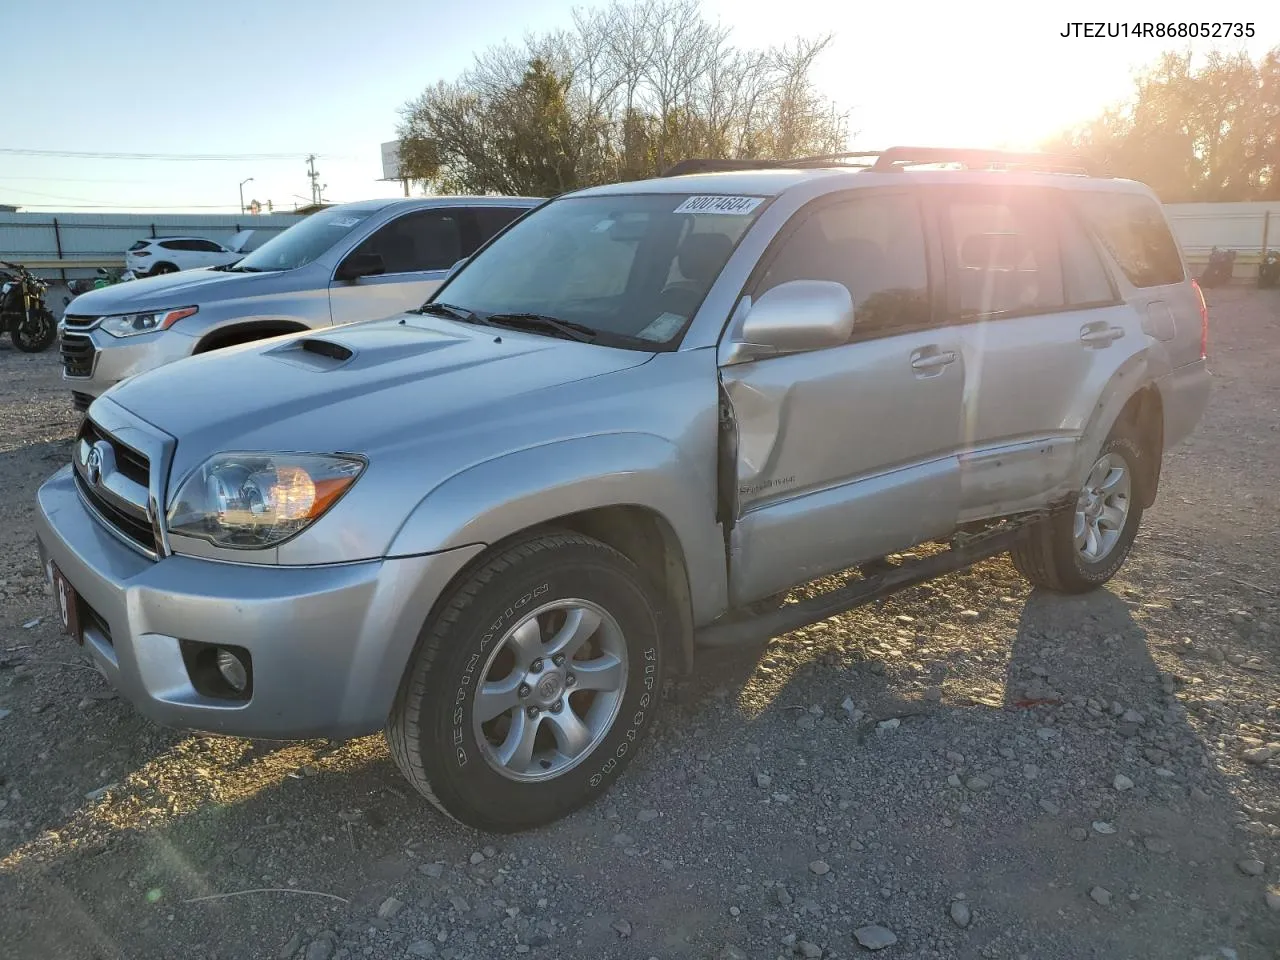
<point x="983" y="791"/>
<point x="1022" y="761"/>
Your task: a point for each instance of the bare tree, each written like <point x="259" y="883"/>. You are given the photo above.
<point x="626" y="91"/>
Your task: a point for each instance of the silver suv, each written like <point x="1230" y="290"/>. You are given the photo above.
<point x="353" y="261"/>
<point x="625" y="428"/>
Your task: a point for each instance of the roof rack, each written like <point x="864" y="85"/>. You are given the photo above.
<point x="707" y="165"/>
<point x="895" y="159"/>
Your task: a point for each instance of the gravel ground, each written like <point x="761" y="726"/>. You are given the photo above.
<point x="970" y="769"/>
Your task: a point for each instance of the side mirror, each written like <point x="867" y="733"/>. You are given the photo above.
<point x="360" y="265"/>
<point x="794" y="317"/>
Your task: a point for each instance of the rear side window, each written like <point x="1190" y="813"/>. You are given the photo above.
<point x="1003" y="253"/>
<point x="874" y="245"/>
<point x="1133" y="229"/>
<point x="1084" y="277"/>
<point x="489" y="220"/>
<point x="141" y="245"/>
<point x="425" y="240"/>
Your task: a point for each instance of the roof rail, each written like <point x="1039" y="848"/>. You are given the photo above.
<point x="825" y="160"/>
<point x="895" y="158"/>
<point x="708" y="165"/>
<point x="892" y="160"/>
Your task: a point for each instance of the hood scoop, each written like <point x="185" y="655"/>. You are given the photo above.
<point x="360" y="346"/>
<point x="326" y="348"/>
<point x="314" y="353"/>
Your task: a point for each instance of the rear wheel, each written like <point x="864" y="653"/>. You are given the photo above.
<point x="35" y="332"/>
<point x="162" y="268"/>
<point x="532" y="687"/>
<point x="1082" y="548"/>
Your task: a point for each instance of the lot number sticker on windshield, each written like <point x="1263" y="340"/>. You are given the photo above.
<point x="734" y="206"/>
<point x="664" y="328"/>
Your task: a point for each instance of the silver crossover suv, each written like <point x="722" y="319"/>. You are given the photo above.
<point x="353" y="261"/>
<point x="626" y="428"/>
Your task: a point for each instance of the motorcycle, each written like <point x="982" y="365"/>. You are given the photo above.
<point x="1269" y="270"/>
<point x="105" y="278"/>
<point x="1220" y="268"/>
<point x="24" y="311"/>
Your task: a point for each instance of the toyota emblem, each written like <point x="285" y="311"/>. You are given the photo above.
<point x="93" y="466"/>
<point x="549" y="686"/>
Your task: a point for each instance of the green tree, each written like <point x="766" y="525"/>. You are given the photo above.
<point x="1193" y="134"/>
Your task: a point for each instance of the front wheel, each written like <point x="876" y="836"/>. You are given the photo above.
<point x="35" y="332"/>
<point x="1081" y="549"/>
<point x="533" y="685"/>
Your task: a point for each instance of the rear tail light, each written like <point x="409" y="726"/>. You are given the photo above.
<point x="1204" y="321"/>
<point x="147" y="253"/>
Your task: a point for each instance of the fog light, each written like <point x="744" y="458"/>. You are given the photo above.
<point x="232" y="670"/>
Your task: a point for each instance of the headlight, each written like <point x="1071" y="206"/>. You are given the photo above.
<point x="249" y="501"/>
<point x="132" y="324"/>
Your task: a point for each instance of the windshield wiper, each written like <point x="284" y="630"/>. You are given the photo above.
<point x="540" y="321"/>
<point x="447" y="310"/>
<point x="236" y="268"/>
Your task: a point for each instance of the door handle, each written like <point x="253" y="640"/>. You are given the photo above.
<point x="932" y="361"/>
<point x="1101" y="334"/>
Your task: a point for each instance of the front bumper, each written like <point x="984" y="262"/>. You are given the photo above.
<point x="328" y="644"/>
<point x="93" y="361"/>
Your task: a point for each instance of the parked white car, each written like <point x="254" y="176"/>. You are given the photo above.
<point x="159" y="255"/>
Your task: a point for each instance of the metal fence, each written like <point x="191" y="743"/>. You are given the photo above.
<point x="71" y="245"/>
<point x="1250" y="229"/>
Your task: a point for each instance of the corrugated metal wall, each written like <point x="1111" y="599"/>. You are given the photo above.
<point x="101" y="239"/>
<point x="1229" y="226"/>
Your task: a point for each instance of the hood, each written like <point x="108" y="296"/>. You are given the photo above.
<point x="182" y="289"/>
<point x="362" y="388"/>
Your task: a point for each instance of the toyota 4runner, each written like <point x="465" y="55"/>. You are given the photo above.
<point x="628" y="426"/>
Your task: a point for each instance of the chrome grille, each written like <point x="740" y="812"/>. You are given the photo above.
<point x="114" y="481"/>
<point x="77" y="355"/>
<point x="78" y="321"/>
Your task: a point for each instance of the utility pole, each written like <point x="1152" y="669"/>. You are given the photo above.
<point x="314" y="174"/>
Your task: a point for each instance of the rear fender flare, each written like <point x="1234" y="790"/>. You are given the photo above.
<point x="1138" y="373"/>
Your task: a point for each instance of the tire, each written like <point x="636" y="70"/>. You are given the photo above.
<point x="1050" y="557"/>
<point x="35" y="334"/>
<point x="454" y="757"/>
<point x="162" y="268"/>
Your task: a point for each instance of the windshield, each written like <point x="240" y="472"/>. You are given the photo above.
<point x="635" y="267"/>
<point x="304" y="241"/>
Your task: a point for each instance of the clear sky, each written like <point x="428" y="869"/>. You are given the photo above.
<point x="328" y="77"/>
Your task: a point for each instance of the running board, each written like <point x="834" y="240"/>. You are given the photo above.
<point x="792" y="616"/>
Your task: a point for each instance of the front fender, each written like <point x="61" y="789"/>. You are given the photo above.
<point x="497" y="498"/>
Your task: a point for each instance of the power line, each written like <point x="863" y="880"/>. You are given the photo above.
<point x="128" y="206"/>
<point x="47" y="196"/>
<point x="76" y="180"/>
<point x="103" y="155"/>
